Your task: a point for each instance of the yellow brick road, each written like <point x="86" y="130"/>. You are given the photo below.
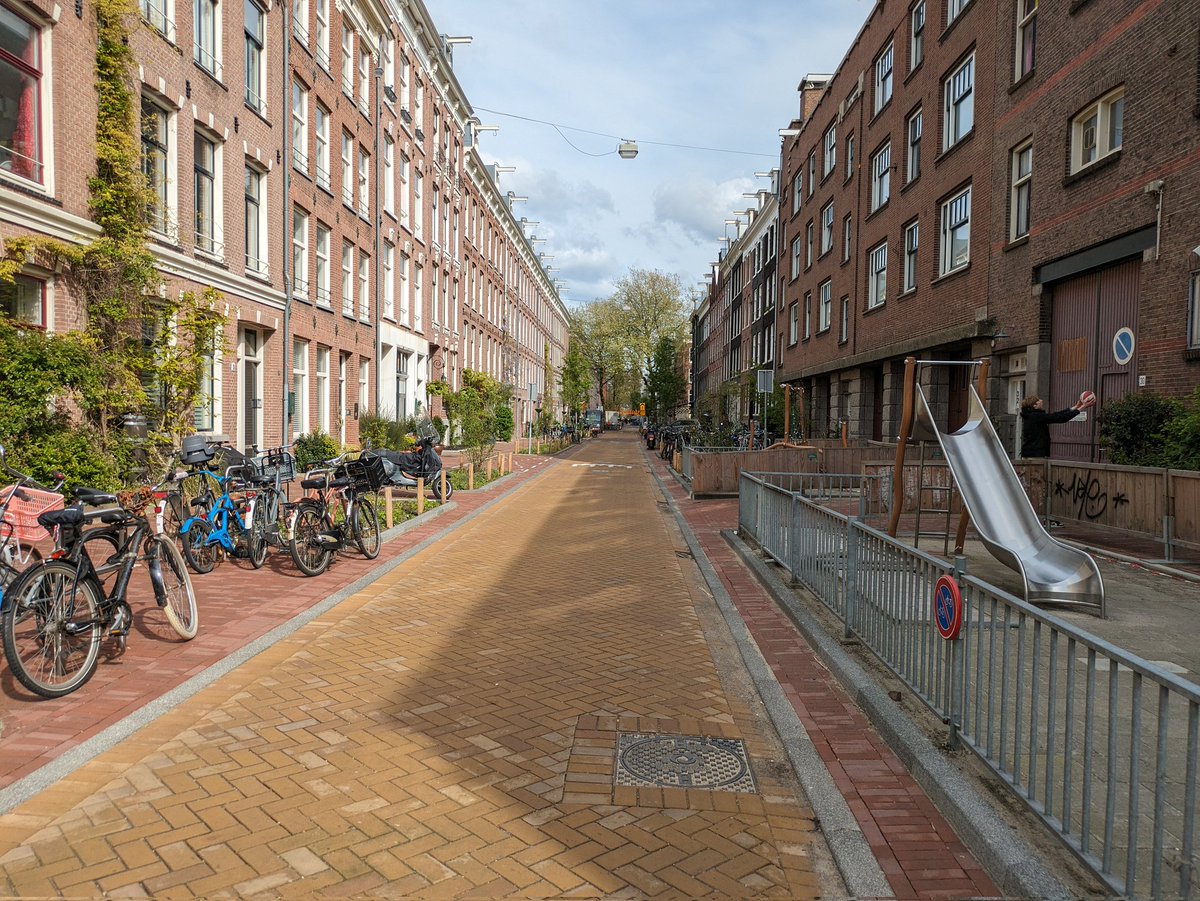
<point x="451" y="731"/>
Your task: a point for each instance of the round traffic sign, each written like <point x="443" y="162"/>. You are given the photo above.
<point x="947" y="607"/>
<point x="1123" y="345"/>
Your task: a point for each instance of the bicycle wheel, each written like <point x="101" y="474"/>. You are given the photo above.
<point x="173" y="517"/>
<point x="364" y="527"/>
<point x="256" y="541"/>
<point x="201" y="557"/>
<point x="51" y="629"/>
<point x="177" y="588"/>
<point x="310" y="555"/>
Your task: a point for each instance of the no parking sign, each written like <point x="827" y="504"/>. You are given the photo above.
<point x="947" y="607"/>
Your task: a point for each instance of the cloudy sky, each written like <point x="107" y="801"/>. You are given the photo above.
<point x="668" y="74"/>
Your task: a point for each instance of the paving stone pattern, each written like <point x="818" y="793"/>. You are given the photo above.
<point x="446" y="732"/>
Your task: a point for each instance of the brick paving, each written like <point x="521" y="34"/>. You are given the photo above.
<point x="236" y="605"/>
<point x="448" y="731"/>
<point x="917" y="850"/>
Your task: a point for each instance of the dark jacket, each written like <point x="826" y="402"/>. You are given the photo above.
<point x="1035" y="430"/>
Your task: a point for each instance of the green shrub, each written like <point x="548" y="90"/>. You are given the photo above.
<point x="314" y="449"/>
<point x="440" y="426"/>
<point x="79" y="454"/>
<point x="1133" y="428"/>
<point x="504" y="423"/>
<point x="1182" y="435"/>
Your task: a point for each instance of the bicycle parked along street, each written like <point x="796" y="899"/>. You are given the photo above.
<point x="339" y="514"/>
<point x="222" y="524"/>
<point x="56" y="615"/>
<point x="20" y="505"/>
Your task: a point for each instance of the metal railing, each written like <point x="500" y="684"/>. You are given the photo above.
<point x="1102" y="745"/>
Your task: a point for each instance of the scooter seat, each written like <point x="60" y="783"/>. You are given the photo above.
<point x="318" y="482"/>
<point x="340" y="483"/>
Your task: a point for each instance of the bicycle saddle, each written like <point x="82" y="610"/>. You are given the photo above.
<point x="68" y="516"/>
<point x="94" y="498"/>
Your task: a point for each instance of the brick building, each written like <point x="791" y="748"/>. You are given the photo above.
<point x="961" y="188"/>
<point x="312" y="161"/>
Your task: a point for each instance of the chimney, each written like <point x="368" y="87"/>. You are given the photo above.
<point x="811" y="88"/>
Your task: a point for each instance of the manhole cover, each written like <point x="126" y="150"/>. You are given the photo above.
<point x="683" y="761"/>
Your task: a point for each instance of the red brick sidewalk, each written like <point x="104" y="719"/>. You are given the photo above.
<point x="236" y="605"/>
<point x="916" y="848"/>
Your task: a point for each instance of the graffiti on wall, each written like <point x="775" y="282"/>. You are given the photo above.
<point x="1087" y="496"/>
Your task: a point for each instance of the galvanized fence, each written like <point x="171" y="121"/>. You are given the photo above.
<point x="1102" y="745"/>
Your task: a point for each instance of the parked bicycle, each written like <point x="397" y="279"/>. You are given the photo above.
<point x="339" y="514"/>
<point x="227" y="526"/>
<point x="56" y="615"/>
<point x="20" y="505"/>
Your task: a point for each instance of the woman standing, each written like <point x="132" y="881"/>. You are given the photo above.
<point x="1035" y="422"/>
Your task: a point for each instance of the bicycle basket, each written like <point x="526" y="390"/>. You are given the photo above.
<point x="21" y="514"/>
<point x="281" y="466"/>
<point x="367" y="473"/>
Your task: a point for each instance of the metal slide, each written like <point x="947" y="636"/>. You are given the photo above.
<point x="1054" y="572"/>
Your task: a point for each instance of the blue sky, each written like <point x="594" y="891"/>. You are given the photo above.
<point x="660" y="72"/>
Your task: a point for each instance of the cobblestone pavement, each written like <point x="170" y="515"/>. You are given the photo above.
<point x="452" y="729"/>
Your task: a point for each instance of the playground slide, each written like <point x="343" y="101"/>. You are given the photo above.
<point x="1054" y="572"/>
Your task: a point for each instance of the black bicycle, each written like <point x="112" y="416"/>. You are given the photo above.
<point x="56" y="615"/>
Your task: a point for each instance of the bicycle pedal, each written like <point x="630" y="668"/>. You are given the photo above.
<point x="121" y="622"/>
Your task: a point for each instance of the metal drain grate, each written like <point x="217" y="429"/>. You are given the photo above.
<point x="683" y="761"/>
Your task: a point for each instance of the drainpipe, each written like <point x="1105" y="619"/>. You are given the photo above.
<point x="378" y="223"/>
<point x="285" y="118"/>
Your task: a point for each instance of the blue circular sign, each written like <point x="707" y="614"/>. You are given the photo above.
<point x="1123" y="345"/>
<point x="947" y="607"/>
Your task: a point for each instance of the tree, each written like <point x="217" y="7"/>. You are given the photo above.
<point x="664" y="383"/>
<point x="475" y="411"/>
<point x="651" y="307"/>
<point x="574" y="378"/>
<point x="602" y="344"/>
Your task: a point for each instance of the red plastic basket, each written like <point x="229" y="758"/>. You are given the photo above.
<point x="22" y="513"/>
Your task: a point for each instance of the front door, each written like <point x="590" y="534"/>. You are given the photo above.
<point x="251" y="389"/>
<point x="1089" y="311"/>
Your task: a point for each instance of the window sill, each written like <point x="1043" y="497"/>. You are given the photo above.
<point x="210" y="257"/>
<point x="845" y="260"/>
<point x="937" y="160"/>
<point x="905" y="295"/>
<point x="260" y="113"/>
<point x="824" y="253"/>
<point x="962" y="14"/>
<point x="823" y="331"/>
<point x="879" y="209"/>
<point x="952" y="274"/>
<point x="1103" y="163"/>
<point x="879" y="112"/>
<point x="872" y="309"/>
<point x="211" y="76"/>
<point x="1015" y="243"/>
<point x="1021" y="82"/>
<point x="1076" y="5"/>
<point x="908" y="184"/>
<point x="27" y="186"/>
<point x="827" y="175"/>
<point x="913" y="71"/>
<point x="1191" y="354"/>
<point x="258" y="276"/>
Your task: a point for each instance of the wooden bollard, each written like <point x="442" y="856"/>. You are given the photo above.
<point x="387" y="506"/>
<point x="420" y="496"/>
<point x="489" y="469"/>
<point x="442" y="476"/>
<point x="470" y="476"/>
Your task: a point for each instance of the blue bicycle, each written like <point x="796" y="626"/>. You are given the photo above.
<point x="224" y="525"/>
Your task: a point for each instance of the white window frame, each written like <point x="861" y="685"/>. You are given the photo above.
<point x="912" y="248"/>
<point x="1026" y="38"/>
<point x="255" y="64"/>
<point x="883" y="77"/>
<point x="22" y="304"/>
<point x="300" y="253"/>
<point x="824" y="306"/>
<point x="827" y="217"/>
<point x="348" y="279"/>
<point x="912" y="162"/>
<point x="364" y="182"/>
<point x="348" y="60"/>
<point x="847" y="236"/>
<point x="322" y="119"/>
<point x="364" y="287"/>
<point x="793" y="323"/>
<point x="347" y="169"/>
<point x="405" y="287"/>
<point x="389" y="281"/>
<point x="877" y="276"/>
<point x="299" y="126"/>
<point x="215" y="238"/>
<point x="807" y="315"/>
<point x="364" y="78"/>
<point x="1020" y="190"/>
<point x="954" y="9"/>
<point x="300" y="20"/>
<point x="418" y="302"/>
<point x="163" y="221"/>
<point x="418" y="208"/>
<point x="389" y="176"/>
<point x="299" y="387"/>
<point x="796" y="267"/>
<point x="809" y="233"/>
<point x="1098" y="131"/>
<point x="256" y="265"/>
<point x="797" y="191"/>
<point x="1193" y="337"/>
<point x="159" y="15"/>
<point x="916" y="35"/>
<point x="364" y="386"/>
<point x="321" y="38"/>
<point x="322" y="244"/>
<point x="955" y="217"/>
<point x="812" y="172"/>
<point x="206" y="43"/>
<point x="829" y="156"/>
<point x="881" y="176"/>
<point x="849" y="158"/>
<point x="958" y="109"/>
<point x="844" y="329"/>
<point x="323" y="389"/>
